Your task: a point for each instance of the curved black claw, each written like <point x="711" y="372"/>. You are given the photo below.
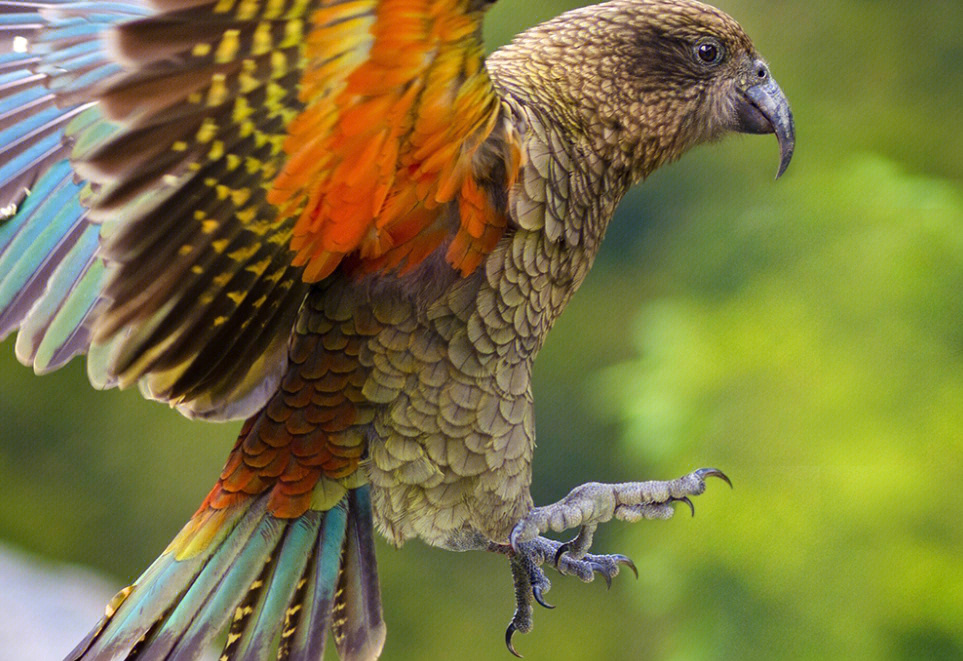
<point x="540" y="598"/>
<point x="713" y="472"/>
<point x="605" y="575"/>
<point x="685" y="499"/>
<point x="563" y="548"/>
<point x="627" y="561"/>
<point x="509" y="632"/>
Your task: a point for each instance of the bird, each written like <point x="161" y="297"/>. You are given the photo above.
<point x="342" y="223"/>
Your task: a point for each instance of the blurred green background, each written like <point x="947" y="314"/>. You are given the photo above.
<point x="806" y="336"/>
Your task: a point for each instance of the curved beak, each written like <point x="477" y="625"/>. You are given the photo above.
<point x="763" y="108"/>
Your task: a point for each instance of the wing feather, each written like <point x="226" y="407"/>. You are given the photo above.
<point x="230" y="153"/>
<point x="397" y="141"/>
<point x="52" y="280"/>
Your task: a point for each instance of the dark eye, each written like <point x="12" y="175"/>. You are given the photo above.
<point x="709" y="51"/>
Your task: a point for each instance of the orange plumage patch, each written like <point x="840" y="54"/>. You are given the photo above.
<point x="397" y="103"/>
<point x="304" y="434"/>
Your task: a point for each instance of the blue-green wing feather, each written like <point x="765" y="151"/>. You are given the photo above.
<point x="50" y="275"/>
<point x="55" y="331"/>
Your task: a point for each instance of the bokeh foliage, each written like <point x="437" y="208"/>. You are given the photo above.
<point x="806" y="336"/>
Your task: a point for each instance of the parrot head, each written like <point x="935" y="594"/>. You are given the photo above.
<point x="646" y="80"/>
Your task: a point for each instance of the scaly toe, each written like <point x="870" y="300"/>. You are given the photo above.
<point x="586" y="568"/>
<point x="585" y="508"/>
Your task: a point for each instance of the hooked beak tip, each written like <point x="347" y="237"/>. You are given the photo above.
<point x="765" y="109"/>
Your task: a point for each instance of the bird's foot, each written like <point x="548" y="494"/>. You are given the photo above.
<point x="588" y="505"/>
<point x="585" y="507"/>
<point x="531" y="584"/>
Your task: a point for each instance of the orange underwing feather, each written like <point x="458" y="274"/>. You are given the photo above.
<point x="387" y="138"/>
<point x="302" y="436"/>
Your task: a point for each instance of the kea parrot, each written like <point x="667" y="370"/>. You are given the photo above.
<point x="341" y="222"/>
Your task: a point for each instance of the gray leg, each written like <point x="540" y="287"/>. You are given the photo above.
<point x="585" y="507"/>
<point x="588" y="505"/>
<point x="530" y="581"/>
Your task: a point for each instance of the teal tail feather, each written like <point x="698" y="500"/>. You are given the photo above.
<point x="276" y="586"/>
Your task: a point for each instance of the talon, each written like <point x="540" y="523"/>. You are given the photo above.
<point x="627" y="561"/>
<point x="703" y="473"/>
<point x="685" y="499"/>
<point x="561" y="550"/>
<point x="513" y="540"/>
<point x="537" y="593"/>
<point x="585" y="508"/>
<point x="509" y="632"/>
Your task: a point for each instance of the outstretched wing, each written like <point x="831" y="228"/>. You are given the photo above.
<point x="225" y="154"/>
<point x="50" y="278"/>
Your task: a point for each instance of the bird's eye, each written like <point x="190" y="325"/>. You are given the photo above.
<point x="709" y="51"/>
